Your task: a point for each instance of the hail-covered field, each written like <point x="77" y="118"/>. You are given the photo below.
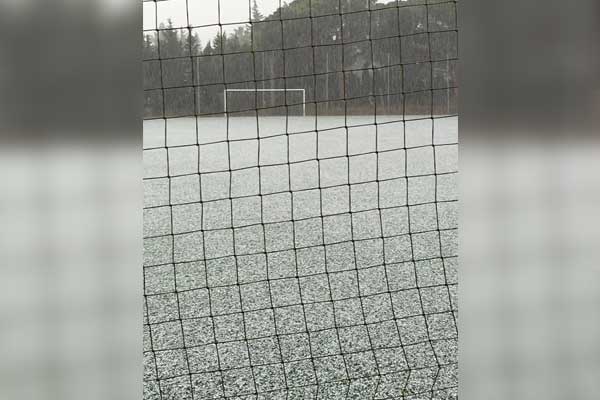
<point x="300" y="257"/>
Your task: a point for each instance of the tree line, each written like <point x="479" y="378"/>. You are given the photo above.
<point x="367" y="58"/>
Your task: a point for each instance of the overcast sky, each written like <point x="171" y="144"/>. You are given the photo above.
<point x="205" y="12"/>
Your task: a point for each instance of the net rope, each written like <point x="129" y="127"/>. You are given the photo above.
<point x="300" y="249"/>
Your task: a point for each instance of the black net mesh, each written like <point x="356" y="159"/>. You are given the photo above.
<point x="300" y="218"/>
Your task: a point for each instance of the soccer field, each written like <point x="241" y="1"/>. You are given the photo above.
<point x="300" y="257"/>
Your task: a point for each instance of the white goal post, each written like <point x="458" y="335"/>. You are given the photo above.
<point x="266" y="90"/>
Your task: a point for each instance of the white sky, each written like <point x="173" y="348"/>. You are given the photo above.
<point x="204" y="12"/>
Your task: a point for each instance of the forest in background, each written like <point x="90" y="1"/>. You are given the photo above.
<point x="369" y="58"/>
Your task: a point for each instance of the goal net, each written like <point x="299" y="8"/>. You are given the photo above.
<point x="300" y="199"/>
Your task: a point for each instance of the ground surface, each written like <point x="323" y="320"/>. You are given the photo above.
<point x="300" y="266"/>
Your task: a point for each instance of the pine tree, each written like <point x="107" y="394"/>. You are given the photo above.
<point x="208" y="50"/>
<point x="219" y="42"/>
<point x="256" y="14"/>
<point x="170" y="43"/>
<point x="149" y="49"/>
<point x="195" y="44"/>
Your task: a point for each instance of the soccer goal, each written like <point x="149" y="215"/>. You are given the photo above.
<point x="227" y="92"/>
